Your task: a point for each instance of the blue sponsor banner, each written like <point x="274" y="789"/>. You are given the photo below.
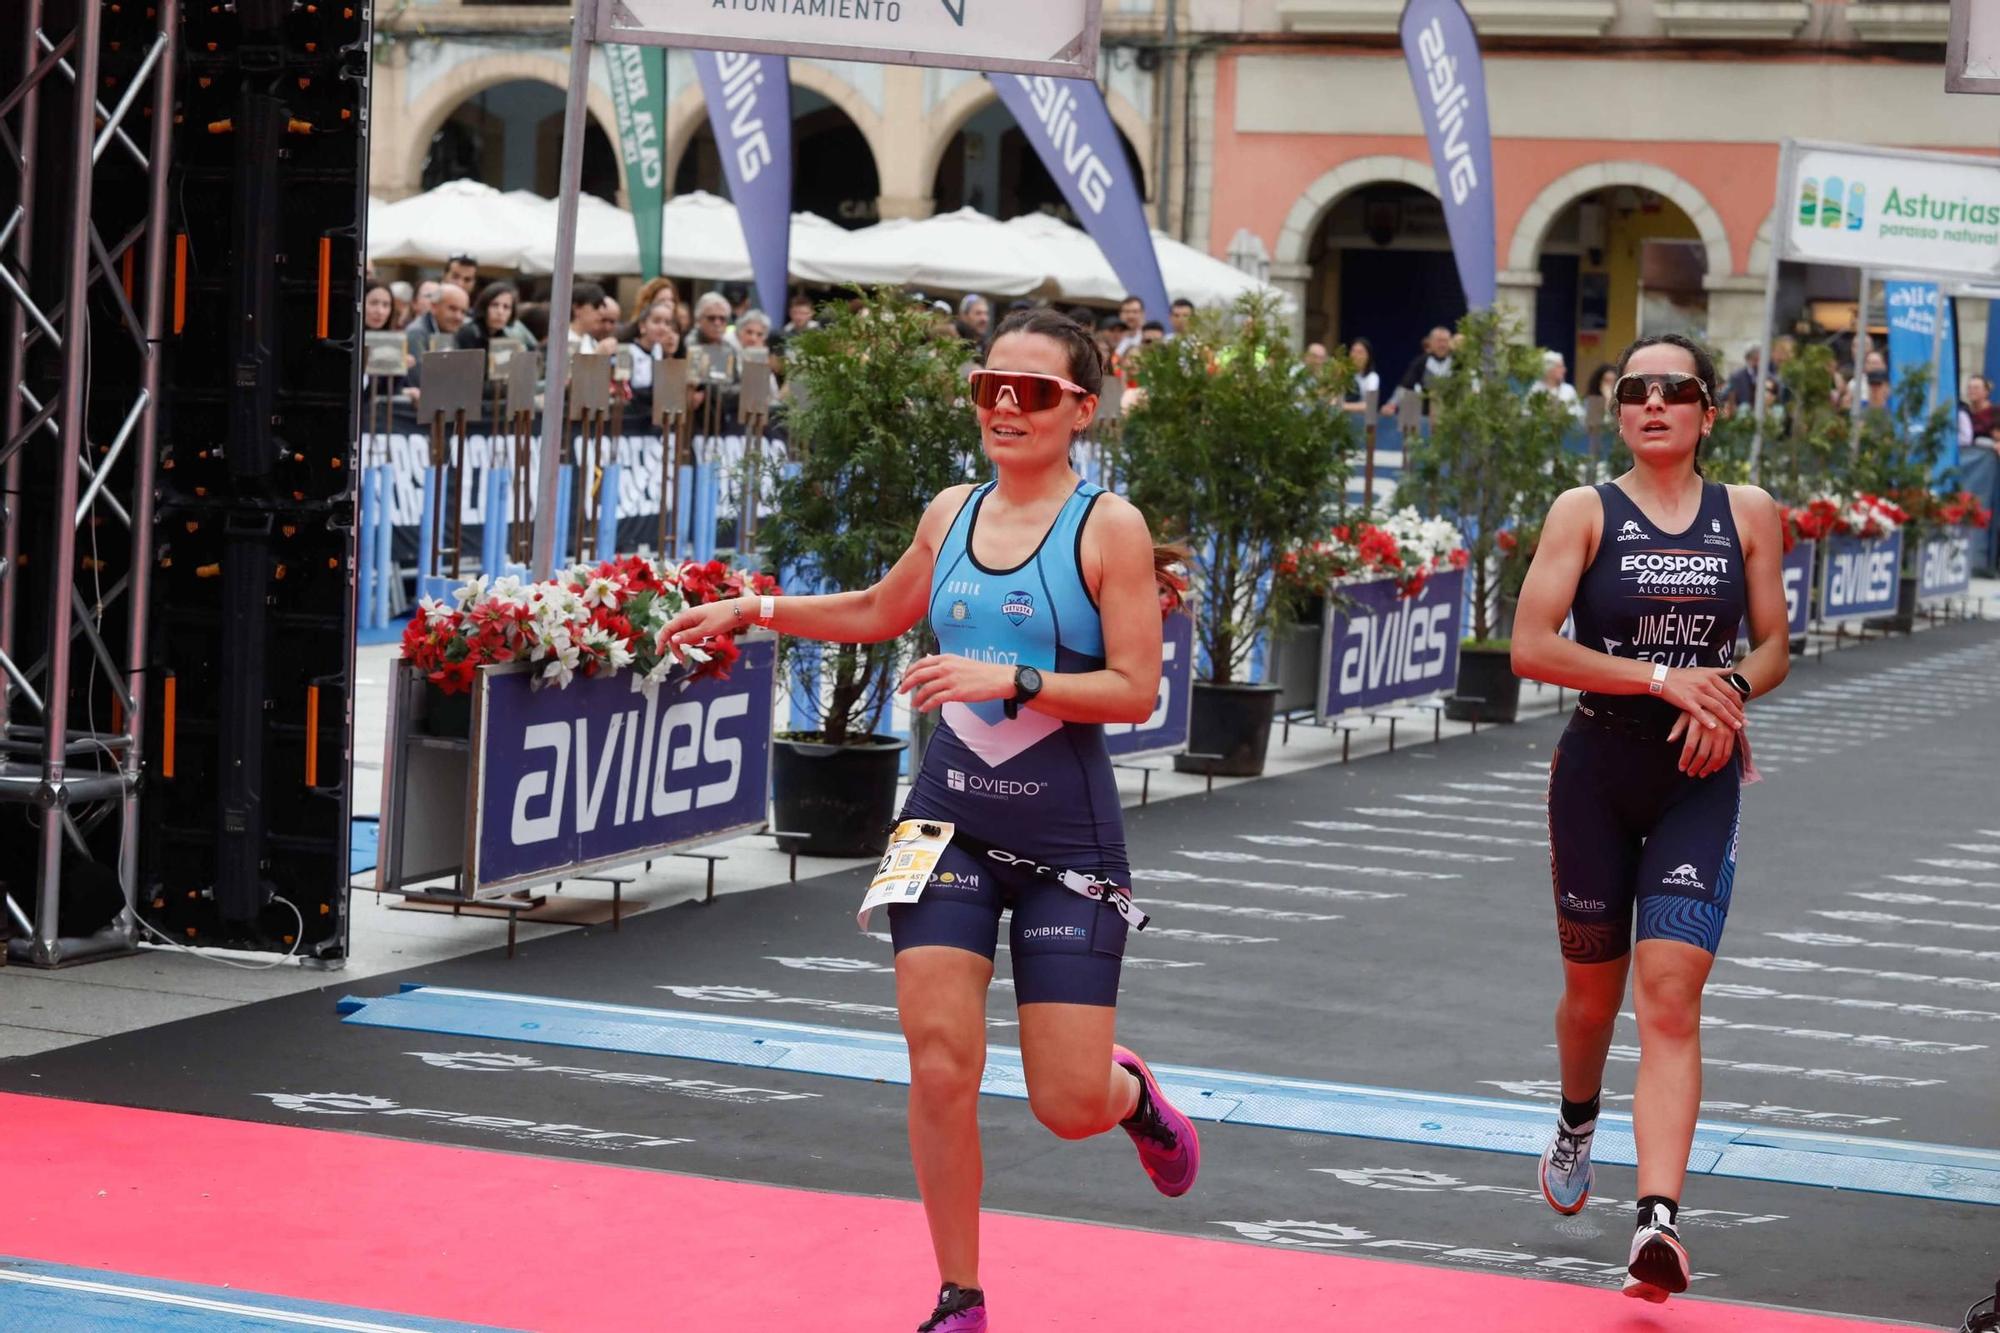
<point x="1913" y="316"/>
<point x="1382" y="647"/>
<point x="750" y="108"/>
<point x="604" y="773"/>
<point x="1860" y="578"/>
<point x="1798" y="572"/>
<point x="1441" y="47"/>
<point x="1944" y="564"/>
<point x="1167" y="728"/>
<point x="1070" y="126"/>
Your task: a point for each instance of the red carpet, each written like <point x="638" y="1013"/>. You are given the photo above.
<point x="564" y="1247"/>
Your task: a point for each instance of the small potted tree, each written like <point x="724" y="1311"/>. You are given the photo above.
<point x="1238" y="451"/>
<point x="885" y="427"/>
<point x="1494" y="458"/>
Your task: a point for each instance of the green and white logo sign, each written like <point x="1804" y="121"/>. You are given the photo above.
<point x="1877" y="208"/>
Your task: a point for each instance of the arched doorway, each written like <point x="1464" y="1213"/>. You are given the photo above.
<point x="1618" y="263"/>
<point x="510" y="137"/>
<point x="1382" y="269"/>
<point x="990" y="166"/>
<point x="833" y="168"/>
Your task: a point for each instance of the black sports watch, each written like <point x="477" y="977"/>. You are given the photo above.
<point x="1739" y="684"/>
<point x="1027" y="684"/>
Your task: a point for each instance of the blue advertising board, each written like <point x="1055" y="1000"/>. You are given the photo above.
<point x="605" y="773"/>
<point x="1944" y="564"/>
<point x="1167" y="728"/>
<point x="1798" y="572"/>
<point x="1860" y="577"/>
<point x="1382" y="647"/>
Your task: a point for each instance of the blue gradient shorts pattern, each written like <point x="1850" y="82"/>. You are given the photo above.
<point x="1067" y="949"/>
<point x="1630" y="834"/>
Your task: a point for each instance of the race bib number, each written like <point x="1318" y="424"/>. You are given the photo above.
<point x="914" y="849"/>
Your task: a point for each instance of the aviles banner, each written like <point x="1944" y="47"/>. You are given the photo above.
<point x="750" y="107"/>
<point x="1860" y="577"/>
<point x="1070" y="126"/>
<point x="606" y="772"/>
<point x="639" y="95"/>
<point x="1442" y="49"/>
<point x="1167" y="728"/>
<point x="1382" y="646"/>
<point x="1944" y="564"/>
<point x="1887" y="209"/>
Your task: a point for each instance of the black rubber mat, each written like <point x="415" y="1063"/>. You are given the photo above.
<point x="1333" y="925"/>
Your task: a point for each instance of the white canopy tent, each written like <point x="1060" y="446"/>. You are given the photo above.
<point x="965" y="251"/>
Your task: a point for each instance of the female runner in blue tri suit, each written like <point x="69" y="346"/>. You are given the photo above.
<point x="1042" y="591"/>
<point x="1659" y="568"/>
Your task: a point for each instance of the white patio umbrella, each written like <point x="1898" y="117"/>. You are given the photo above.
<point x="1078" y="270"/>
<point x="965" y="251"/>
<point x="461" y="217"/>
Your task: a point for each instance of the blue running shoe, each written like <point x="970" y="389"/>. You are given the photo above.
<point x="1565" y="1170"/>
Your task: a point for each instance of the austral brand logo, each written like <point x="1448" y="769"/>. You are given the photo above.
<point x="1018" y="607"/>
<point x="1685" y="877"/>
<point x="1632" y="532"/>
<point x="356" y="1103"/>
<point x="485" y="1062"/>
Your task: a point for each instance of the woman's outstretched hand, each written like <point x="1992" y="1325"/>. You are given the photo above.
<point x="698" y="624"/>
<point x="931" y="682"/>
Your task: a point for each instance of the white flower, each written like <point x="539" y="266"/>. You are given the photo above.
<point x="508" y="588"/>
<point x="562" y="667"/>
<point x="435" y="612"/>
<point x="471" y="592"/>
<point x="600" y="591"/>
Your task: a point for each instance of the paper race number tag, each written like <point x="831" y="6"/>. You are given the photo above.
<point x="914" y="849"/>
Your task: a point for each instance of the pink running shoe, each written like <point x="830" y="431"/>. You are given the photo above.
<point x="959" y="1310"/>
<point x="1169" y="1148"/>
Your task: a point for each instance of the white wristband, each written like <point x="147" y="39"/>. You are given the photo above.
<point x="767" y="609"/>
<point x="1659" y="681"/>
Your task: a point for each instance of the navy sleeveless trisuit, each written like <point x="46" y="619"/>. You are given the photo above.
<point x="1627" y="829"/>
<point x="1031" y="785"/>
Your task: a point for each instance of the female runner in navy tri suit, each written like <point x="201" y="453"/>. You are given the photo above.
<point x="1660" y="569"/>
<point x="1041" y="589"/>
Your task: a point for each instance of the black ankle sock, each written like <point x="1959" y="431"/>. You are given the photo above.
<point x="1580" y="1113"/>
<point x="1138" y="1116"/>
<point x="1646" y="1209"/>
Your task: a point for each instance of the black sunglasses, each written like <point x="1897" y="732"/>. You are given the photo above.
<point x="1674" y="387"/>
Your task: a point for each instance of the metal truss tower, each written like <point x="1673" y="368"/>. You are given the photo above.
<point x="86" y="122"/>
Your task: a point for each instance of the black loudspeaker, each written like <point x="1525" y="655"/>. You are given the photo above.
<point x="248" y="775"/>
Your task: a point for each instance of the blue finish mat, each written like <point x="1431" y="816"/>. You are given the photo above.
<point x="1882" y="1166"/>
<point x="50" y="1298"/>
